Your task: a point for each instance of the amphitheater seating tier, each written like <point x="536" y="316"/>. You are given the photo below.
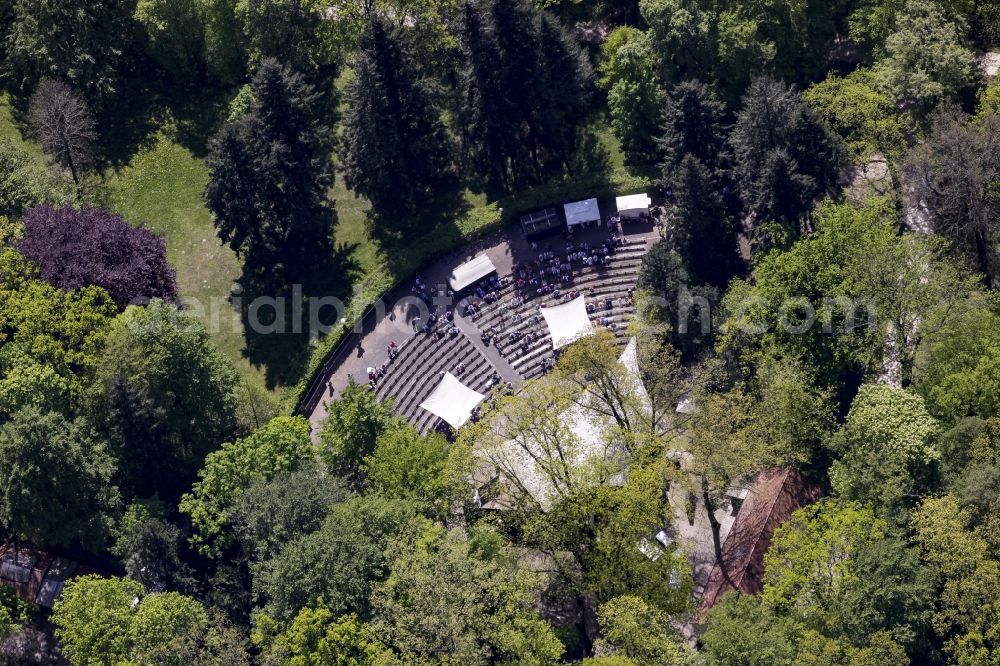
<point x="423" y="359"/>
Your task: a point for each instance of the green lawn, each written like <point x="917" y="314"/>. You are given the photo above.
<point x="161" y="189"/>
<point x="162" y="186"/>
<point x="10" y="131"/>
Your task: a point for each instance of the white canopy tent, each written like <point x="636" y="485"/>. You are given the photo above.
<point x="584" y="436"/>
<point x="452" y="401"/>
<point x="633" y="205"/>
<point x="471" y="271"/>
<point x="582" y="212"/>
<point x="630" y="359"/>
<point x="567" y="322"/>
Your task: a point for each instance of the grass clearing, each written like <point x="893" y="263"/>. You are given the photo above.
<point x="10" y="131"/>
<point x="161" y="189"/>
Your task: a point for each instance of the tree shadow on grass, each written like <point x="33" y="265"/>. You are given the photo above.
<point x="280" y="317"/>
<point x="431" y="235"/>
<point x="197" y="116"/>
<point x="128" y="124"/>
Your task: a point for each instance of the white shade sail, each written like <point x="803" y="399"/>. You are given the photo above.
<point x="567" y="322"/>
<point x="633" y="204"/>
<point x="582" y="212"/>
<point x="471" y="271"/>
<point x="452" y="401"/>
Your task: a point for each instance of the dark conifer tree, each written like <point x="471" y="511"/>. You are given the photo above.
<point x="270" y="172"/>
<point x="565" y="93"/>
<point x="397" y="150"/>
<point x="516" y="31"/>
<point x="704" y="231"/>
<point x="694" y="124"/>
<point x="527" y="86"/>
<point x="486" y="129"/>
<point x="785" y="157"/>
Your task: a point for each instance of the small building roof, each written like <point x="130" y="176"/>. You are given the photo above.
<point x="540" y="221"/>
<point x="35" y="575"/>
<point x="471" y="272"/>
<point x="774" y="495"/>
<point x="582" y="212"/>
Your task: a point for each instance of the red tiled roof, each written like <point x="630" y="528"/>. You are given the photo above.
<point x="775" y="494"/>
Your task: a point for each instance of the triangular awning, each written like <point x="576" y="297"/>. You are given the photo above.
<point x="470" y="272"/>
<point x="567" y="322"/>
<point x="452" y="401"/>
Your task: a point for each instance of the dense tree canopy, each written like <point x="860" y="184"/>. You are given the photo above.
<point x="819" y="297"/>
<point x="524" y="74"/>
<point x="352" y="428"/>
<point x="785" y="158"/>
<point x="82" y="43"/>
<point x="150" y="548"/>
<point x="840" y="570"/>
<point x="23" y="183"/>
<point x="483" y="608"/>
<point x="926" y="59"/>
<point x="273" y="511"/>
<point x="113" y="620"/>
<point x="954" y="174"/>
<point x="889" y="449"/>
<point x="55" y="481"/>
<point x="398" y="152"/>
<point x="864" y="116"/>
<point x="163" y="396"/>
<point x="341" y="561"/>
<point x="280" y="445"/>
<point x="43" y="325"/>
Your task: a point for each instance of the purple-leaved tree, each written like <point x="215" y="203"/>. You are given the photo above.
<point x="78" y="247"/>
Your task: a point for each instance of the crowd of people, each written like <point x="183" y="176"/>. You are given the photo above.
<point x="550" y="274"/>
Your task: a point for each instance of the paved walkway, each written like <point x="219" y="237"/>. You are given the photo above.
<point x="506" y="370"/>
<point x="396" y="323"/>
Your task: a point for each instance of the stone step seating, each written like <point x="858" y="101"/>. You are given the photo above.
<point x="417" y="370"/>
<point x="476" y="378"/>
<point x="531" y="363"/>
<point x="624" y="272"/>
<point x="625" y="257"/>
<point x="595" y="295"/>
<point x="595" y="291"/>
<point x="427" y="379"/>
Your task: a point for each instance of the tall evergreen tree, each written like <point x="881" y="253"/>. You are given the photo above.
<point x="397" y="150"/>
<point x="694" y="124"/>
<point x="526" y="92"/>
<point x="705" y="232"/>
<point x="565" y="91"/>
<point x="270" y="171"/>
<point x="485" y="127"/>
<point x="785" y="157"/>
